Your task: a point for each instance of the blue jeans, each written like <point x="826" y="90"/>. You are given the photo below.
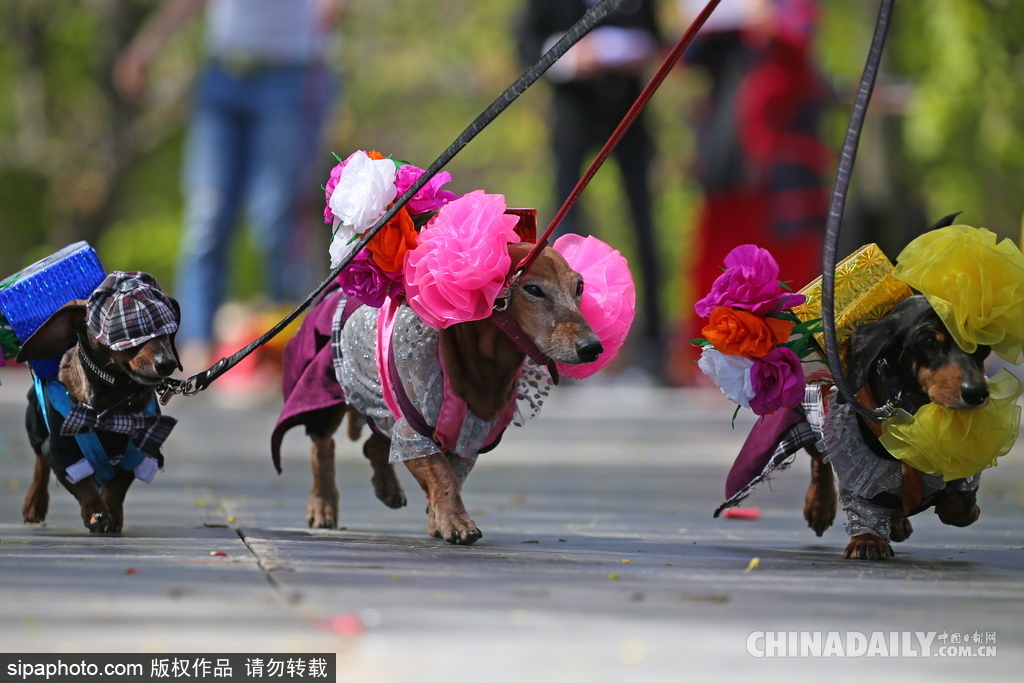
<point x="253" y="142"/>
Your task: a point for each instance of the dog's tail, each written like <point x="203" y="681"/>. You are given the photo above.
<point x="945" y="222"/>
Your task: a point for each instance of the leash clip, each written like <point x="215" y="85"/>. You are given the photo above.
<point x="893" y="410"/>
<point x="504" y="298"/>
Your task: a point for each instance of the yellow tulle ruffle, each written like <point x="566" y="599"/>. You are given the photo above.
<point x="958" y="443"/>
<point x="974" y="284"/>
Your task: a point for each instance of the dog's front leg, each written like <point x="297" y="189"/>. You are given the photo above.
<point x="95" y="514"/>
<point x="37" y="500"/>
<point x="113" y="495"/>
<point x="448" y="517"/>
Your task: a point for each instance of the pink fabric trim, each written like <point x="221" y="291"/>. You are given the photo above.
<point x="385" y="327"/>
<point x="452" y="414"/>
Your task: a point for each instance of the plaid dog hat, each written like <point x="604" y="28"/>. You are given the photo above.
<point x="128" y="309"/>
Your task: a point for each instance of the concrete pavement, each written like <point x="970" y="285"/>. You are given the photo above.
<point x="600" y="559"/>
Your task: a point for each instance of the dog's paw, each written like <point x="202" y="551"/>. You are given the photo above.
<point x="101" y="523"/>
<point x="389" y="491"/>
<point x="820" y="508"/>
<point x="32" y="514"/>
<point x="322" y="513"/>
<point x="900" y="529"/>
<point x="958" y="508"/>
<point x="868" y="547"/>
<point x="37" y="504"/>
<point x="459" y="529"/>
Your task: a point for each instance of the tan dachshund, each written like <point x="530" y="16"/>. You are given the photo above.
<point x="483" y="367"/>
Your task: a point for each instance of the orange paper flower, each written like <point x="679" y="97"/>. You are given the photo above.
<point x="740" y="333"/>
<point x="394" y="239"/>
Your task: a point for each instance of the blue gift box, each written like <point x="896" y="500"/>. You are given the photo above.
<point x="28" y="298"/>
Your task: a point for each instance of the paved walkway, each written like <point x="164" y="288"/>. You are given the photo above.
<point x="600" y="559"/>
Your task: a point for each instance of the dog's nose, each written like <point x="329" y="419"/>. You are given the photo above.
<point x="588" y="350"/>
<point x="974" y="394"/>
<point x="165" y="366"/>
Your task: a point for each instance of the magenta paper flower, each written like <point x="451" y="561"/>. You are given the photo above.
<point x="609" y="296"/>
<point x="456" y="271"/>
<point x="430" y="197"/>
<point x="750" y="282"/>
<point x="364" y="280"/>
<point x="777" y="380"/>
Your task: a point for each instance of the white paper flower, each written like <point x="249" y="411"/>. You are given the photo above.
<point x="342" y="243"/>
<point x="364" y="191"/>
<point x="730" y="373"/>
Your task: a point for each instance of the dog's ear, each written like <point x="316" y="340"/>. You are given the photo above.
<point x="945" y="222"/>
<point x="54" y="336"/>
<point x="866" y="344"/>
<point x="177" y="316"/>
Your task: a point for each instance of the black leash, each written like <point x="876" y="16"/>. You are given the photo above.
<point x="196" y="383"/>
<point x="835" y="219"/>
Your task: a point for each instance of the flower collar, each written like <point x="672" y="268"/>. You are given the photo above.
<point x="955" y="444"/>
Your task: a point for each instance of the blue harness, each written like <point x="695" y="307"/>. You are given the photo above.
<point x="56" y="394"/>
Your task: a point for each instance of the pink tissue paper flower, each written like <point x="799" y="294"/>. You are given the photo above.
<point x="456" y="271"/>
<point x="750" y="282"/>
<point x="430" y="197"/>
<point x="777" y="380"/>
<point x="609" y="296"/>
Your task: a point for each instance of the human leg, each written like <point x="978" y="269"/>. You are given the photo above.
<point x="212" y="183"/>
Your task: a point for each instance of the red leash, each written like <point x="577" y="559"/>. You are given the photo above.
<point x="627" y="121"/>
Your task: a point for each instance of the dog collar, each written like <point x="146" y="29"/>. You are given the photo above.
<point x="86" y="355"/>
<point x="511" y="329"/>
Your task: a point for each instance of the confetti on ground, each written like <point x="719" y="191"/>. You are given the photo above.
<point x="625" y="561"/>
<point x="613" y="577"/>
<point x="531" y="541"/>
<point x="131" y="570"/>
<point x="754" y="564"/>
<point x="231" y="520"/>
<point x="218" y="553"/>
<point x="751" y="514"/>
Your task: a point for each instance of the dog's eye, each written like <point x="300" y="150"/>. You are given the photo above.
<point x="579" y="289"/>
<point x="930" y="342"/>
<point x="534" y="290"/>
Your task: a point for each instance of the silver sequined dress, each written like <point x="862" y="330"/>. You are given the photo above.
<point x="415" y="346"/>
<point x="861" y="474"/>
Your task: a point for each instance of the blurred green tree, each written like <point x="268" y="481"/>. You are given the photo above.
<point x="76" y="162"/>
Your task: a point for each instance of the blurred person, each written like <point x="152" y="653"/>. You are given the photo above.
<point x="760" y="159"/>
<point x="253" y="138"/>
<point x="594" y="84"/>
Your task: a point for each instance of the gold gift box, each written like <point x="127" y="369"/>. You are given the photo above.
<point x="865" y="291"/>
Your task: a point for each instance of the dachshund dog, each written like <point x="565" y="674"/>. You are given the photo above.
<point x="481" y="366"/>
<point x="909" y="357"/>
<point x="112" y="431"/>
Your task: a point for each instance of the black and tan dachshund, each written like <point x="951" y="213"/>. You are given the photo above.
<point x="911" y="358"/>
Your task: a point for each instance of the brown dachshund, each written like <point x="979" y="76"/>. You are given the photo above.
<point x="483" y="368"/>
<point x="124" y="348"/>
